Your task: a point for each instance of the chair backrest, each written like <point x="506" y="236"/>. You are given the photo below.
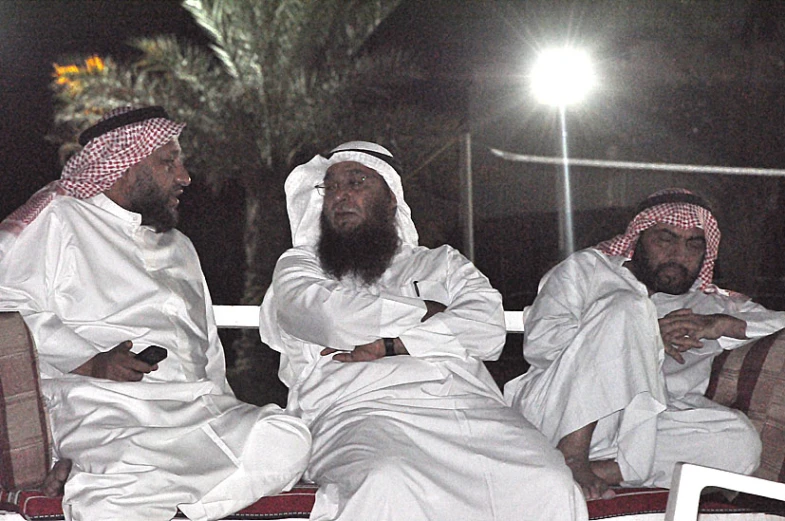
<point x="247" y="317"/>
<point x="24" y="437"/>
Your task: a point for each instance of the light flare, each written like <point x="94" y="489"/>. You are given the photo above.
<point x="563" y="76"/>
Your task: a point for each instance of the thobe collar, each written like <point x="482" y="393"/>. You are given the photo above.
<point x="103" y="202"/>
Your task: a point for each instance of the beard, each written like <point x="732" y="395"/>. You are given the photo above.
<point x="149" y="200"/>
<point x="667" y="277"/>
<point x="365" y="251"/>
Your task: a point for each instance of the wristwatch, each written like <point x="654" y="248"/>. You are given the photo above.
<point x="389" y="347"/>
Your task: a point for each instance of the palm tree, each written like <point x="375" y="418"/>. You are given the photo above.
<point x="283" y="79"/>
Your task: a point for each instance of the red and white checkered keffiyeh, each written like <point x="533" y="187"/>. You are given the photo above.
<point x="98" y="165"/>
<point x="681" y="214"/>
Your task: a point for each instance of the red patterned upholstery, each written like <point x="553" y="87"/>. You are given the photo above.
<point x="752" y="380"/>
<point x="24" y="443"/>
<point x="31" y="504"/>
<point x="298" y="502"/>
<point x="629" y="501"/>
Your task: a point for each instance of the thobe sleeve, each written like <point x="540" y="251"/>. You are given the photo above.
<point x="323" y="311"/>
<point x="554" y="317"/>
<point x="216" y="360"/>
<point x="760" y="321"/>
<point x="37" y="258"/>
<point x="473" y="323"/>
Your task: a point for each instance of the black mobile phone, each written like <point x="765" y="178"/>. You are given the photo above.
<point x="152" y="354"/>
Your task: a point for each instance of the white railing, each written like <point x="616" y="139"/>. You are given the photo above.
<point x="247" y="317"/>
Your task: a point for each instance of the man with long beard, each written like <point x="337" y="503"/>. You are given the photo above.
<point x="600" y="386"/>
<point x="95" y="267"/>
<point x="382" y="343"/>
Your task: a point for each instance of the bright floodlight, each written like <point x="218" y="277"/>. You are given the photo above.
<point x="562" y="76"/>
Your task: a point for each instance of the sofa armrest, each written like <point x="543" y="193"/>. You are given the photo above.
<point x="752" y="380"/>
<point x="24" y="434"/>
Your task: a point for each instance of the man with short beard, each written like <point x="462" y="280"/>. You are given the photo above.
<point x="382" y="343"/>
<point x="600" y="386"/>
<point x="95" y="267"/>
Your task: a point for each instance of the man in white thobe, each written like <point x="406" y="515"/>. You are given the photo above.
<point x="98" y="272"/>
<point x="601" y="387"/>
<point x="382" y="343"/>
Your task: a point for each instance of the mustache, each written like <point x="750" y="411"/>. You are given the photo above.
<point x="673" y="264"/>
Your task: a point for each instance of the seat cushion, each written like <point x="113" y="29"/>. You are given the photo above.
<point x="298" y="502"/>
<point x="636" y="501"/>
<point x="294" y="504"/>
<point x="752" y="380"/>
<point x="24" y="444"/>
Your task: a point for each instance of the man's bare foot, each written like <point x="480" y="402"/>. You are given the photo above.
<point x="575" y="448"/>
<point x="54" y="482"/>
<point x="594" y="487"/>
<point x="608" y="471"/>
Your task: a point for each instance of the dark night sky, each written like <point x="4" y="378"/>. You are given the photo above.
<point x="36" y="33"/>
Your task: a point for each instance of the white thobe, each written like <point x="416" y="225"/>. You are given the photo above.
<point x="86" y="276"/>
<point x="424" y="436"/>
<point x="596" y="354"/>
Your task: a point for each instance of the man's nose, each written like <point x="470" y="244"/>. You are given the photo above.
<point x="680" y="251"/>
<point x="183" y="178"/>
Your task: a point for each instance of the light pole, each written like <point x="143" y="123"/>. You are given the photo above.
<point x="561" y="77"/>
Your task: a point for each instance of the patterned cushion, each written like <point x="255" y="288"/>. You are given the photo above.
<point x="297" y="504"/>
<point x="752" y="379"/>
<point x="637" y="501"/>
<point x="294" y="504"/>
<point x="24" y="444"/>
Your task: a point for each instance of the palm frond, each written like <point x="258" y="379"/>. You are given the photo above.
<point x="210" y="19"/>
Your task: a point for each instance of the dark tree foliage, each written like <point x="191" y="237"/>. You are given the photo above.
<point x="282" y="80"/>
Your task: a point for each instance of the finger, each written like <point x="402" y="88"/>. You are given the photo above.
<point x="328" y="351"/>
<point x="133" y="376"/>
<point x="684" y="331"/>
<point x="121" y="373"/>
<point x="134" y="364"/>
<point x="688" y="344"/>
<point x="673" y="331"/>
<point x="124" y="346"/>
<point x="690" y="321"/>
<point x="675" y="354"/>
<point x="684" y="343"/>
<point x="344" y="357"/>
<point x="679" y="312"/>
<point x="673" y="327"/>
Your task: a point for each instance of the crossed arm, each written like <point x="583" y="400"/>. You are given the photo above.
<point x="376" y="350"/>
<point x="321" y="311"/>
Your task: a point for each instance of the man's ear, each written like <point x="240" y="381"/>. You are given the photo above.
<point x="119" y="191"/>
<point x="393" y="201"/>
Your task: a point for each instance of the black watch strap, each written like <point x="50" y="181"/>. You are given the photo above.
<point x="389" y="347"/>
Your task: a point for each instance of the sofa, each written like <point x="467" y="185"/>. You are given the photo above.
<point x="751" y="379"/>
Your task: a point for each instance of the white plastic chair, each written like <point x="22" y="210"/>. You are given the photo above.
<point x="689" y="480"/>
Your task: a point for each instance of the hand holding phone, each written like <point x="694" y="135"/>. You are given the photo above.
<point x="152" y="355"/>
